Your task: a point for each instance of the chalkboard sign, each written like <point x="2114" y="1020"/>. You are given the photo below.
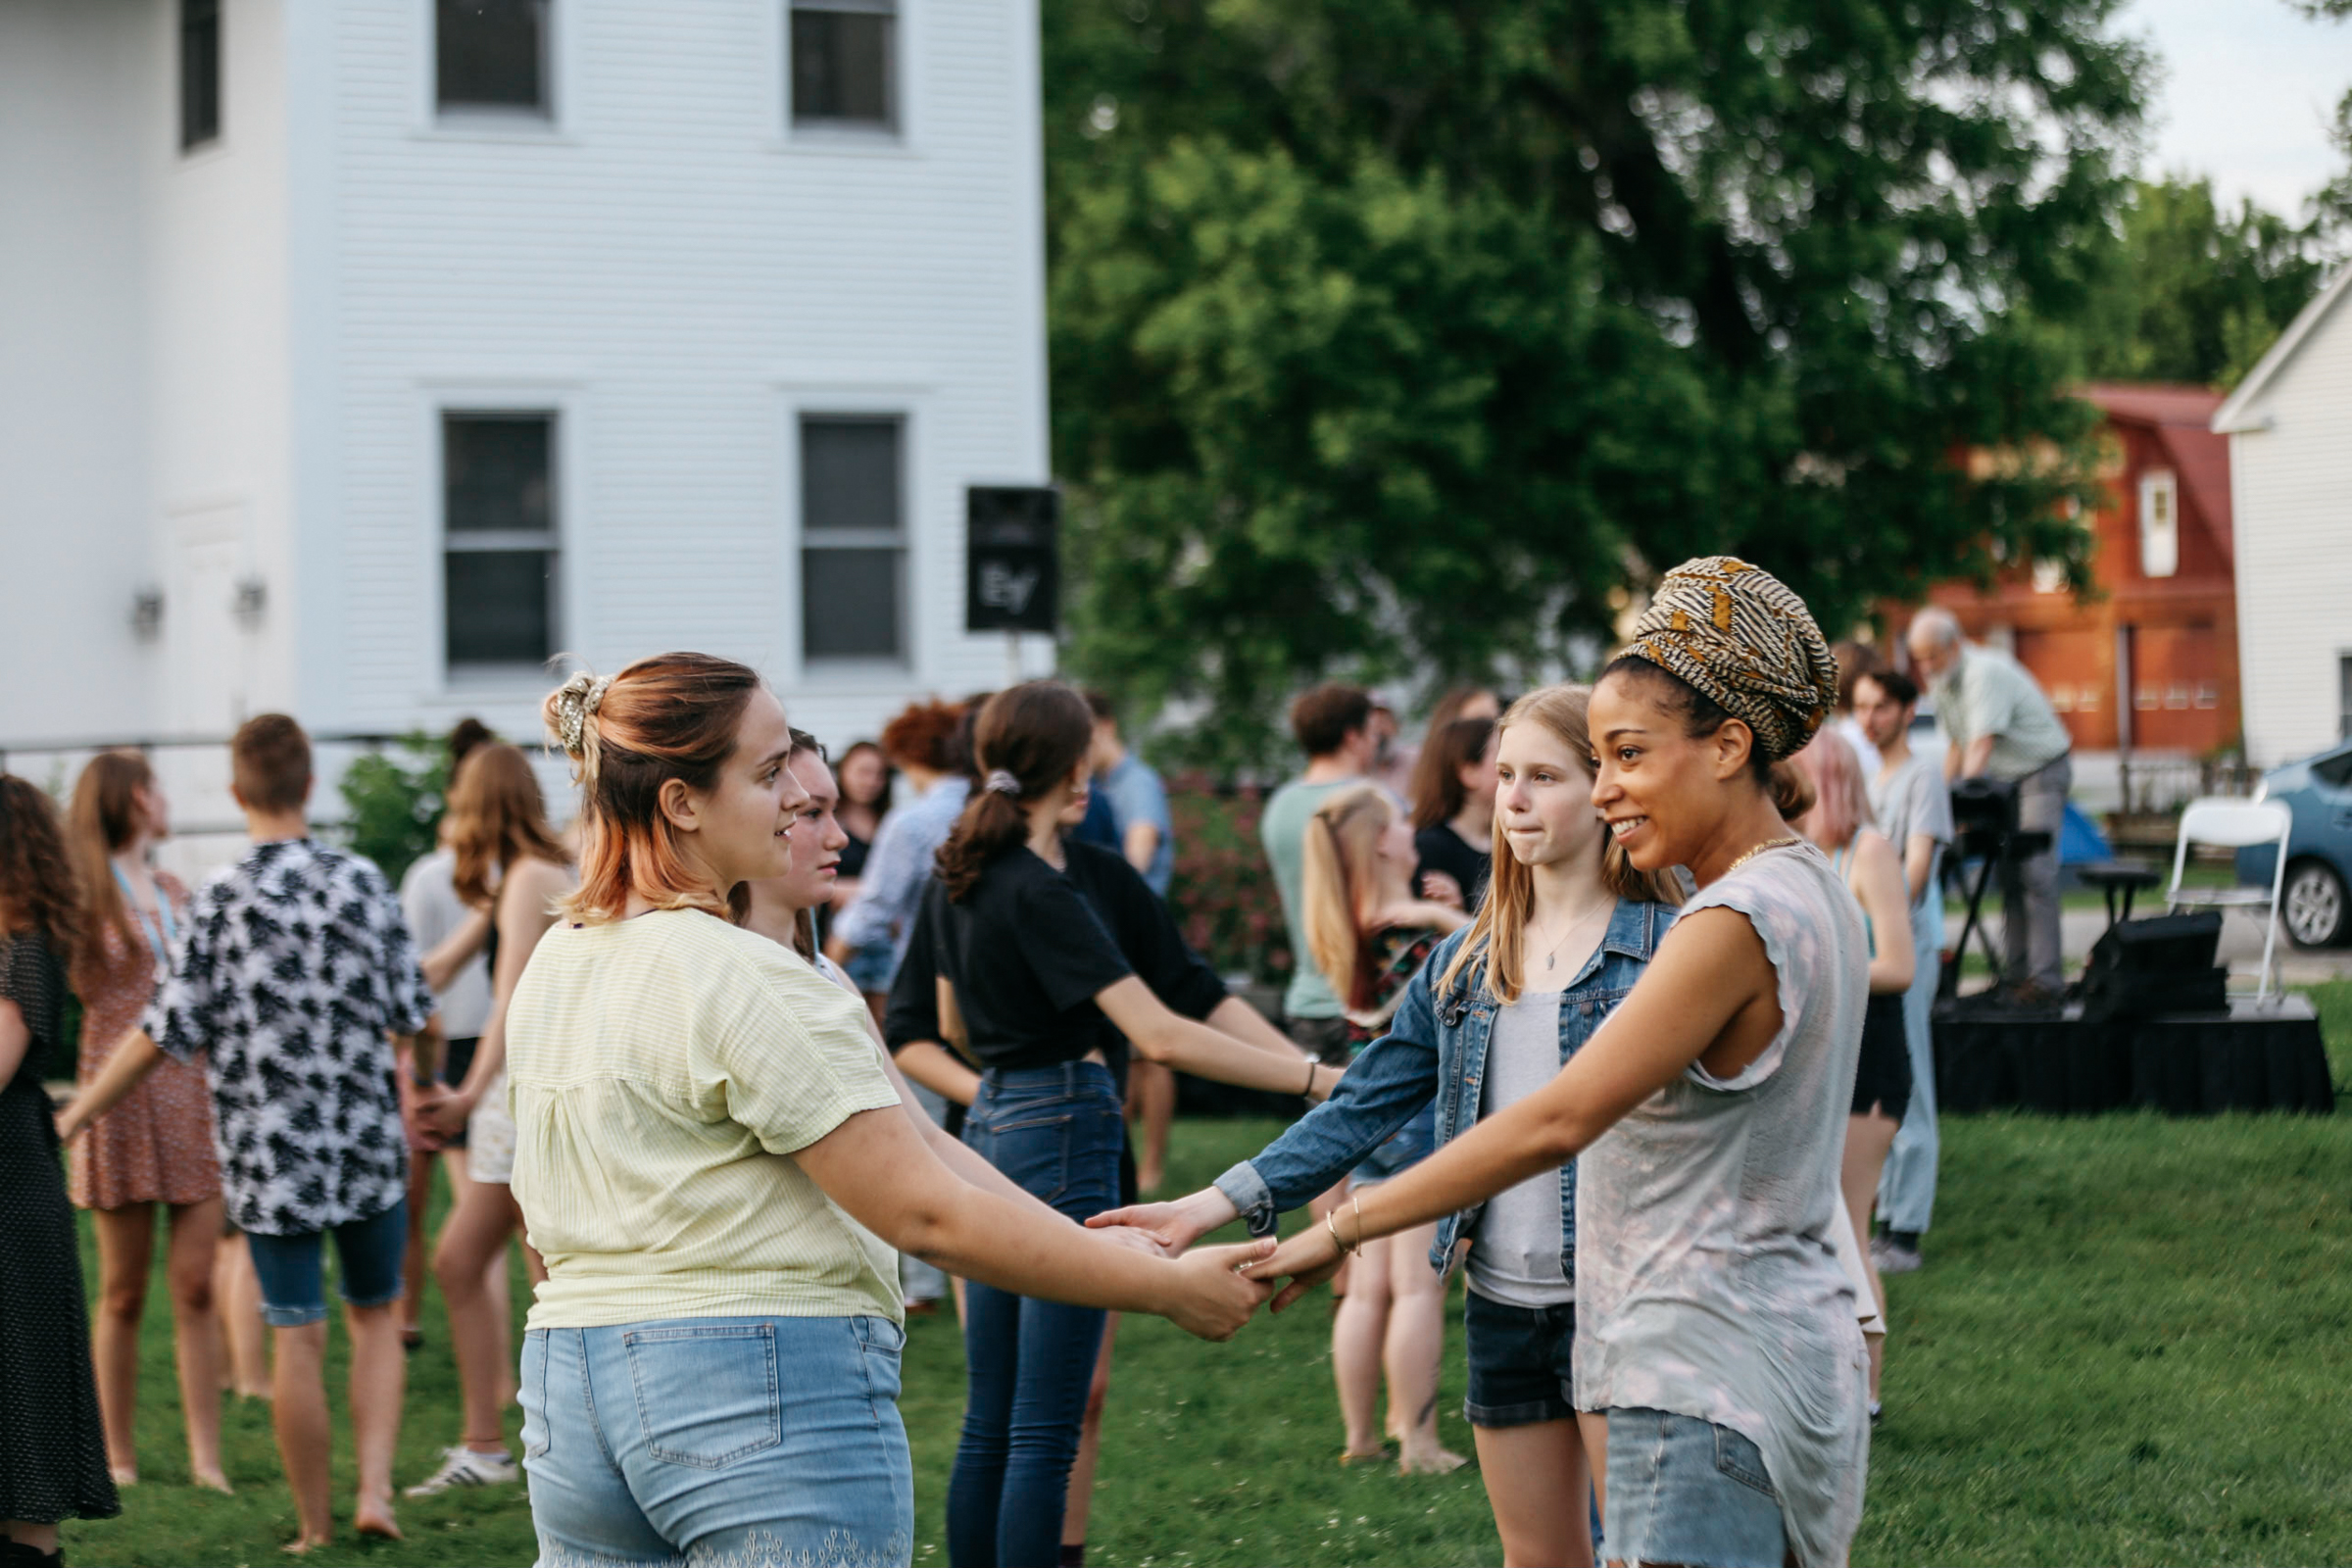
<point x="1012" y="563"/>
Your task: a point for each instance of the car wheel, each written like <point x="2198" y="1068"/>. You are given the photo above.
<point x="2314" y="905"/>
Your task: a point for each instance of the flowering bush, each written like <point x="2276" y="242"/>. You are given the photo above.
<point x="1223" y="894"/>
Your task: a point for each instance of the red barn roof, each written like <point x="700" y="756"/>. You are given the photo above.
<point x="2181" y="419"/>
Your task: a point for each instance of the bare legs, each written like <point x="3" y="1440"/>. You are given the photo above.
<point x="1078" y="1506"/>
<point x="1152" y="1100"/>
<point x="125" y="1253"/>
<point x="244" y="1339"/>
<point x="481" y="1330"/>
<point x="379" y="1376"/>
<point x="1866" y="1140"/>
<point x="40" y="1538"/>
<point x="1393" y="1319"/>
<point x="411" y="1261"/>
<point x="1535" y="1478"/>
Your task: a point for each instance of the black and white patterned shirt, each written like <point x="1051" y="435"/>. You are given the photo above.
<point x="294" y="965"/>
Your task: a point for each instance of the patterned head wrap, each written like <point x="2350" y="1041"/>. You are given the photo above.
<point x="1737" y="633"/>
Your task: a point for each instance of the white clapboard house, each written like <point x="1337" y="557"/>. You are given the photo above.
<point x="2289" y="426"/>
<point x="358" y="355"/>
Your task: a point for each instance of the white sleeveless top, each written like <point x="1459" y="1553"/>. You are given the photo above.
<point x="1707" y="1281"/>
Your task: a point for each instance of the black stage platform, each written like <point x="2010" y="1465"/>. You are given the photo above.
<point x="2264" y="1055"/>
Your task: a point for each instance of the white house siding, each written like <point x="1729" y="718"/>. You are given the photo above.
<point x="81" y="135"/>
<point x="2292" y="492"/>
<point x="679" y="277"/>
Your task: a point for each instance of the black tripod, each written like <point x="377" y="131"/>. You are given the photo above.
<point x="1985" y="831"/>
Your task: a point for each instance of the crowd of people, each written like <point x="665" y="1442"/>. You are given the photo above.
<point x="768" y="1051"/>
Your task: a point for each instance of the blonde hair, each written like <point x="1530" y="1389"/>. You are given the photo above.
<point x="497" y="815"/>
<point x="1496" y="936"/>
<point x="1339" y="883"/>
<point x="1841" y="803"/>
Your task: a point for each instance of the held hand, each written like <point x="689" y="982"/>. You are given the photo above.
<point x="1439" y="887"/>
<point x="1143" y="1241"/>
<point x="1324" y="1083"/>
<point x="1209" y="1295"/>
<point x="1307" y="1261"/>
<point x="70" y="1122"/>
<point x="443" y="1112"/>
<point x="1177" y="1223"/>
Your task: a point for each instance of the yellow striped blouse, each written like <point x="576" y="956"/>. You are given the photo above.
<point x="661" y="1070"/>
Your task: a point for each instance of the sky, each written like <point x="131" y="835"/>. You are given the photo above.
<point x="2248" y="90"/>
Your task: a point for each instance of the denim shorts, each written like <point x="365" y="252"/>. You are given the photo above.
<point x="1686" y="1490"/>
<point x="1403" y="1150"/>
<point x="752" y="1440"/>
<point x="292" y="1274"/>
<point x="1520" y="1370"/>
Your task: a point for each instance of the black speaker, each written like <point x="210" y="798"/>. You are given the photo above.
<point x="2162" y="964"/>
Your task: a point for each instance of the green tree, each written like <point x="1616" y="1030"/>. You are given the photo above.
<point x="1395" y="337"/>
<point x="2196" y="293"/>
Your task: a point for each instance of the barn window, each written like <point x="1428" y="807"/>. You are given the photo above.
<point x="2159" y="524"/>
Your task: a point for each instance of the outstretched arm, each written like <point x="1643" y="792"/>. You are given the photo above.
<point x="1708" y="998"/>
<point x="133" y="1059"/>
<point x="875" y="1167"/>
<point x="1161" y="1035"/>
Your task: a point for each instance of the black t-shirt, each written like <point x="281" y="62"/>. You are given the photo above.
<point x="1123" y="907"/>
<point x="1442" y="848"/>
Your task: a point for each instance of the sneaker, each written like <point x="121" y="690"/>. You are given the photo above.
<point x="1890" y="1256"/>
<point x="460" y="1467"/>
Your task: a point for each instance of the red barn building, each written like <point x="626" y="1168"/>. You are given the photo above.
<point x="2149" y="662"/>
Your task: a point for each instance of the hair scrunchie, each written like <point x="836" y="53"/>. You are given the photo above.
<point x="999" y="782"/>
<point x="1743" y="637"/>
<point x="576" y="702"/>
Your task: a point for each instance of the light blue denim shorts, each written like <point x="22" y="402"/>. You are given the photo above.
<point x="719" y="1440"/>
<point x="1686" y="1490"/>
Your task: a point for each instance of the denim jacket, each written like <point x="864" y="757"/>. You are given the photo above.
<point x="1436" y="1051"/>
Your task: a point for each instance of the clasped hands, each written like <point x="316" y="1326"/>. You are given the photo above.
<point x="1306" y="1260"/>
<point x="436" y="1112"/>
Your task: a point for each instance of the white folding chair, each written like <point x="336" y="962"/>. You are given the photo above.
<point x="2236" y="824"/>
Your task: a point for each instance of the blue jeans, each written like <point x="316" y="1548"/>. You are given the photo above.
<point x="1682" y="1490"/>
<point x="294" y="1284"/>
<point x="1056" y="1132"/>
<point x="1907" y="1187"/>
<point x="752" y="1440"/>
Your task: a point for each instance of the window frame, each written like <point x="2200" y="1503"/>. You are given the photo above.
<point x="495" y="121"/>
<point x="2155" y="547"/>
<point x="900" y="413"/>
<point x="212" y="139"/>
<point x="561" y="611"/>
<point x="819" y="130"/>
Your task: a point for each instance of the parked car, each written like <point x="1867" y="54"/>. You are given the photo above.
<point x="2313" y="906"/>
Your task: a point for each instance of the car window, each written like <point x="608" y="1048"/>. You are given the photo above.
<point x="2335" y="771"/>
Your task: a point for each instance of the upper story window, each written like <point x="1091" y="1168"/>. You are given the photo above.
<point x="498" y="538"/>
<point x="853" y="538"/>
<point x="199" y="72"/>
<point x="2159" y="524"/>
<point x="491" y="54"/>
<point x="844" y="64"/>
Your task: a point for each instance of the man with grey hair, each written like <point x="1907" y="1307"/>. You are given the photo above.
<point x="2002" y="728"/>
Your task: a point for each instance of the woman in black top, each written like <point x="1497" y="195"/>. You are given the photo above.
<point x="1453" y="814"/>
<point x="1028" y="974"/>
<point x="52" y="1443"/>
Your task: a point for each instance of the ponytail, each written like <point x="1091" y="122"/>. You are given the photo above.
<point x="1029" y="737"/>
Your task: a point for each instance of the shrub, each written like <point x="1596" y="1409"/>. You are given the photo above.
<point x="392" y="802"/>
<point x="1223" y="894"/>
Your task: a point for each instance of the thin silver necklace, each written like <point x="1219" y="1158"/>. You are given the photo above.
<point x="1552" y="954"/>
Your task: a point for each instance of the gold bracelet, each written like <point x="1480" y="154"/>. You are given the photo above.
<point x="1335" y="1231"/>
<point x="1356" y="1202"/>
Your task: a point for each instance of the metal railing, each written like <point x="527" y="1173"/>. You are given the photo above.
<point x="2161" y="785"/>
<point x="53" y="763"/>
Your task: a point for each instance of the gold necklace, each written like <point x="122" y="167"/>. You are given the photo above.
<point x="1768" y="844"/>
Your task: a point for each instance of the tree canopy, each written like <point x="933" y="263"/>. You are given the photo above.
<point x="1404" y="339"/>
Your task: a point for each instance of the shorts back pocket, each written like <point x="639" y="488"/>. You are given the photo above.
<point x="706" y="1395"/>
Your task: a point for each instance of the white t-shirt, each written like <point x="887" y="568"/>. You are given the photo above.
<point x="428" y="900"/>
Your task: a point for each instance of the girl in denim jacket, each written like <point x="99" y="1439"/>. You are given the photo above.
<point x="1567" y="927"/>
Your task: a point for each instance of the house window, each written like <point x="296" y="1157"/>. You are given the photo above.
<point x="491" y="54"/>
<point x="853" y="538"/>
<point x="498" y="564"/>
<point x="844" y="63"/>
<point x="2159" y="524"/>
<point x="199" y="72"/>
<point x="2343" y="703"/>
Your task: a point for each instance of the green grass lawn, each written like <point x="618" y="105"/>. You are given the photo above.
<point x="2133" y="1344"/>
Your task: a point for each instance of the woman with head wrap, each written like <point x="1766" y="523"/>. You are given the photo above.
<point x="1719" y="1366"/>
